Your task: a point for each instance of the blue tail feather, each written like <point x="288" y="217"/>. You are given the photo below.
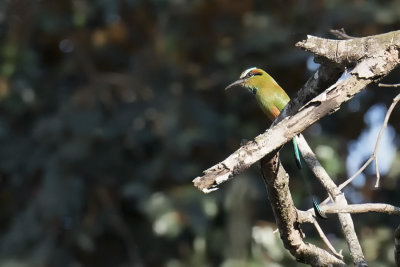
<point x="318" y="212"/>
<point x="296" y="153"/>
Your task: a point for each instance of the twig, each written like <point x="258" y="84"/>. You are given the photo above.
<point x="362" y="208"/>
<point x="378" y="141"/>
<point x="341" y="34"/>
<point x="344" y="184"/>
<point x="389" y="85"/>
<point x="325" y="239"/>
<point x="374" y="155"/>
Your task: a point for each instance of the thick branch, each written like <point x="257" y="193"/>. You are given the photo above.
<point x="373" y="58"/>
<point x="348" y="52"/>
<point x="323" y="78"/>
<point x="326" y="103"/>
<point x="316" y="167"/>
<point x="277" y="183"/>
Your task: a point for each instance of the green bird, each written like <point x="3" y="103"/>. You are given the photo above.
<point x="270" y="96"/>
<point x="272" y="100"/>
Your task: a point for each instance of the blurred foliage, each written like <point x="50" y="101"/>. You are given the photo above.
<point x="108" y="110"/>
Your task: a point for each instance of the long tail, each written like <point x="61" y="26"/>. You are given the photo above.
<point x="296" y="152"/>
<point x="318" y="212"/>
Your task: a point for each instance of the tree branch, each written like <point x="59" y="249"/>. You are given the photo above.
<point x="372" y="58"/>
<point x="341" y="34"/>
<point x="277" y="183"/>
<point x="367" y="71"/>
<point x="325" y="239"/>
<point x="362" y="208"/>
<point x="378" y="141"/>
<point x="350" y="52"/>
<point x="370" y="69"/>
<point x="374" y="156"/>
<point x="338" y="197"/>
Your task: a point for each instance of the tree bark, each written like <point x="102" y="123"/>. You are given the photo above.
<point x="277" y="183"/>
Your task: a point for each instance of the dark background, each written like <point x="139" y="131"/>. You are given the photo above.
<point x="109" y="109"/>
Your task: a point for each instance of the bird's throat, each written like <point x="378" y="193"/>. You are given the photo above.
<point x="253" y="90"/>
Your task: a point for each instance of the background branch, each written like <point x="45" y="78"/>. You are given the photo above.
<point x="376" y="150"/>
<point x="374" y="155"/>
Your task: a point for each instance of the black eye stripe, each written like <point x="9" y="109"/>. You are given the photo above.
<point x="251" y="74"/>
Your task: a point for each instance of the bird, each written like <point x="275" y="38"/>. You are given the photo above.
<point x="270" y="96"/>
<point x="272" y="100"/>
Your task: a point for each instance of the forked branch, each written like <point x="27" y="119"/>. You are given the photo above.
<point x="370" y="59"/>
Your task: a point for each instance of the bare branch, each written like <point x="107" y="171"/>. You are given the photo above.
<point x="372" y="58"/>
<point x="389" y="85"/>
<point x="349" y="52"/>
<point x="344" y="184"/>
<point x="339" y="198"/>
<point x="374" y="155"/>
<point x="362" y="208"/>
<point x="341" y="34"/>
<point x="277" y="183"/>
<point x="378" y="141"/>
<point x="325" y="77"/>
<point x="316" y="167"/>
<point x="327" y="182"/>
<point x="325" y="239"/>
<point x="367" y="71"/>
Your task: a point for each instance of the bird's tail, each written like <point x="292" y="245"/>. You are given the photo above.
<point x="318" y="212"/>
<point x="296" y="153"/>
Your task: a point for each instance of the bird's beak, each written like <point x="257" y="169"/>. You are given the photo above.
<point x="238" y="82"/>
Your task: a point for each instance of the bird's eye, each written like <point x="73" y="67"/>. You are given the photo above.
<point x="252" y="73"/>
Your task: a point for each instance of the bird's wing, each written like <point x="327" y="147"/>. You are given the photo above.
<point x="274" y="110"/>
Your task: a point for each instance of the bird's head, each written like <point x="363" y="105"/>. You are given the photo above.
<point x="251" y="79"/>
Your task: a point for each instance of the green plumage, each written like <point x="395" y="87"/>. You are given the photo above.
<point x="270" y="96"/>
<point x="272" y="100"/>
